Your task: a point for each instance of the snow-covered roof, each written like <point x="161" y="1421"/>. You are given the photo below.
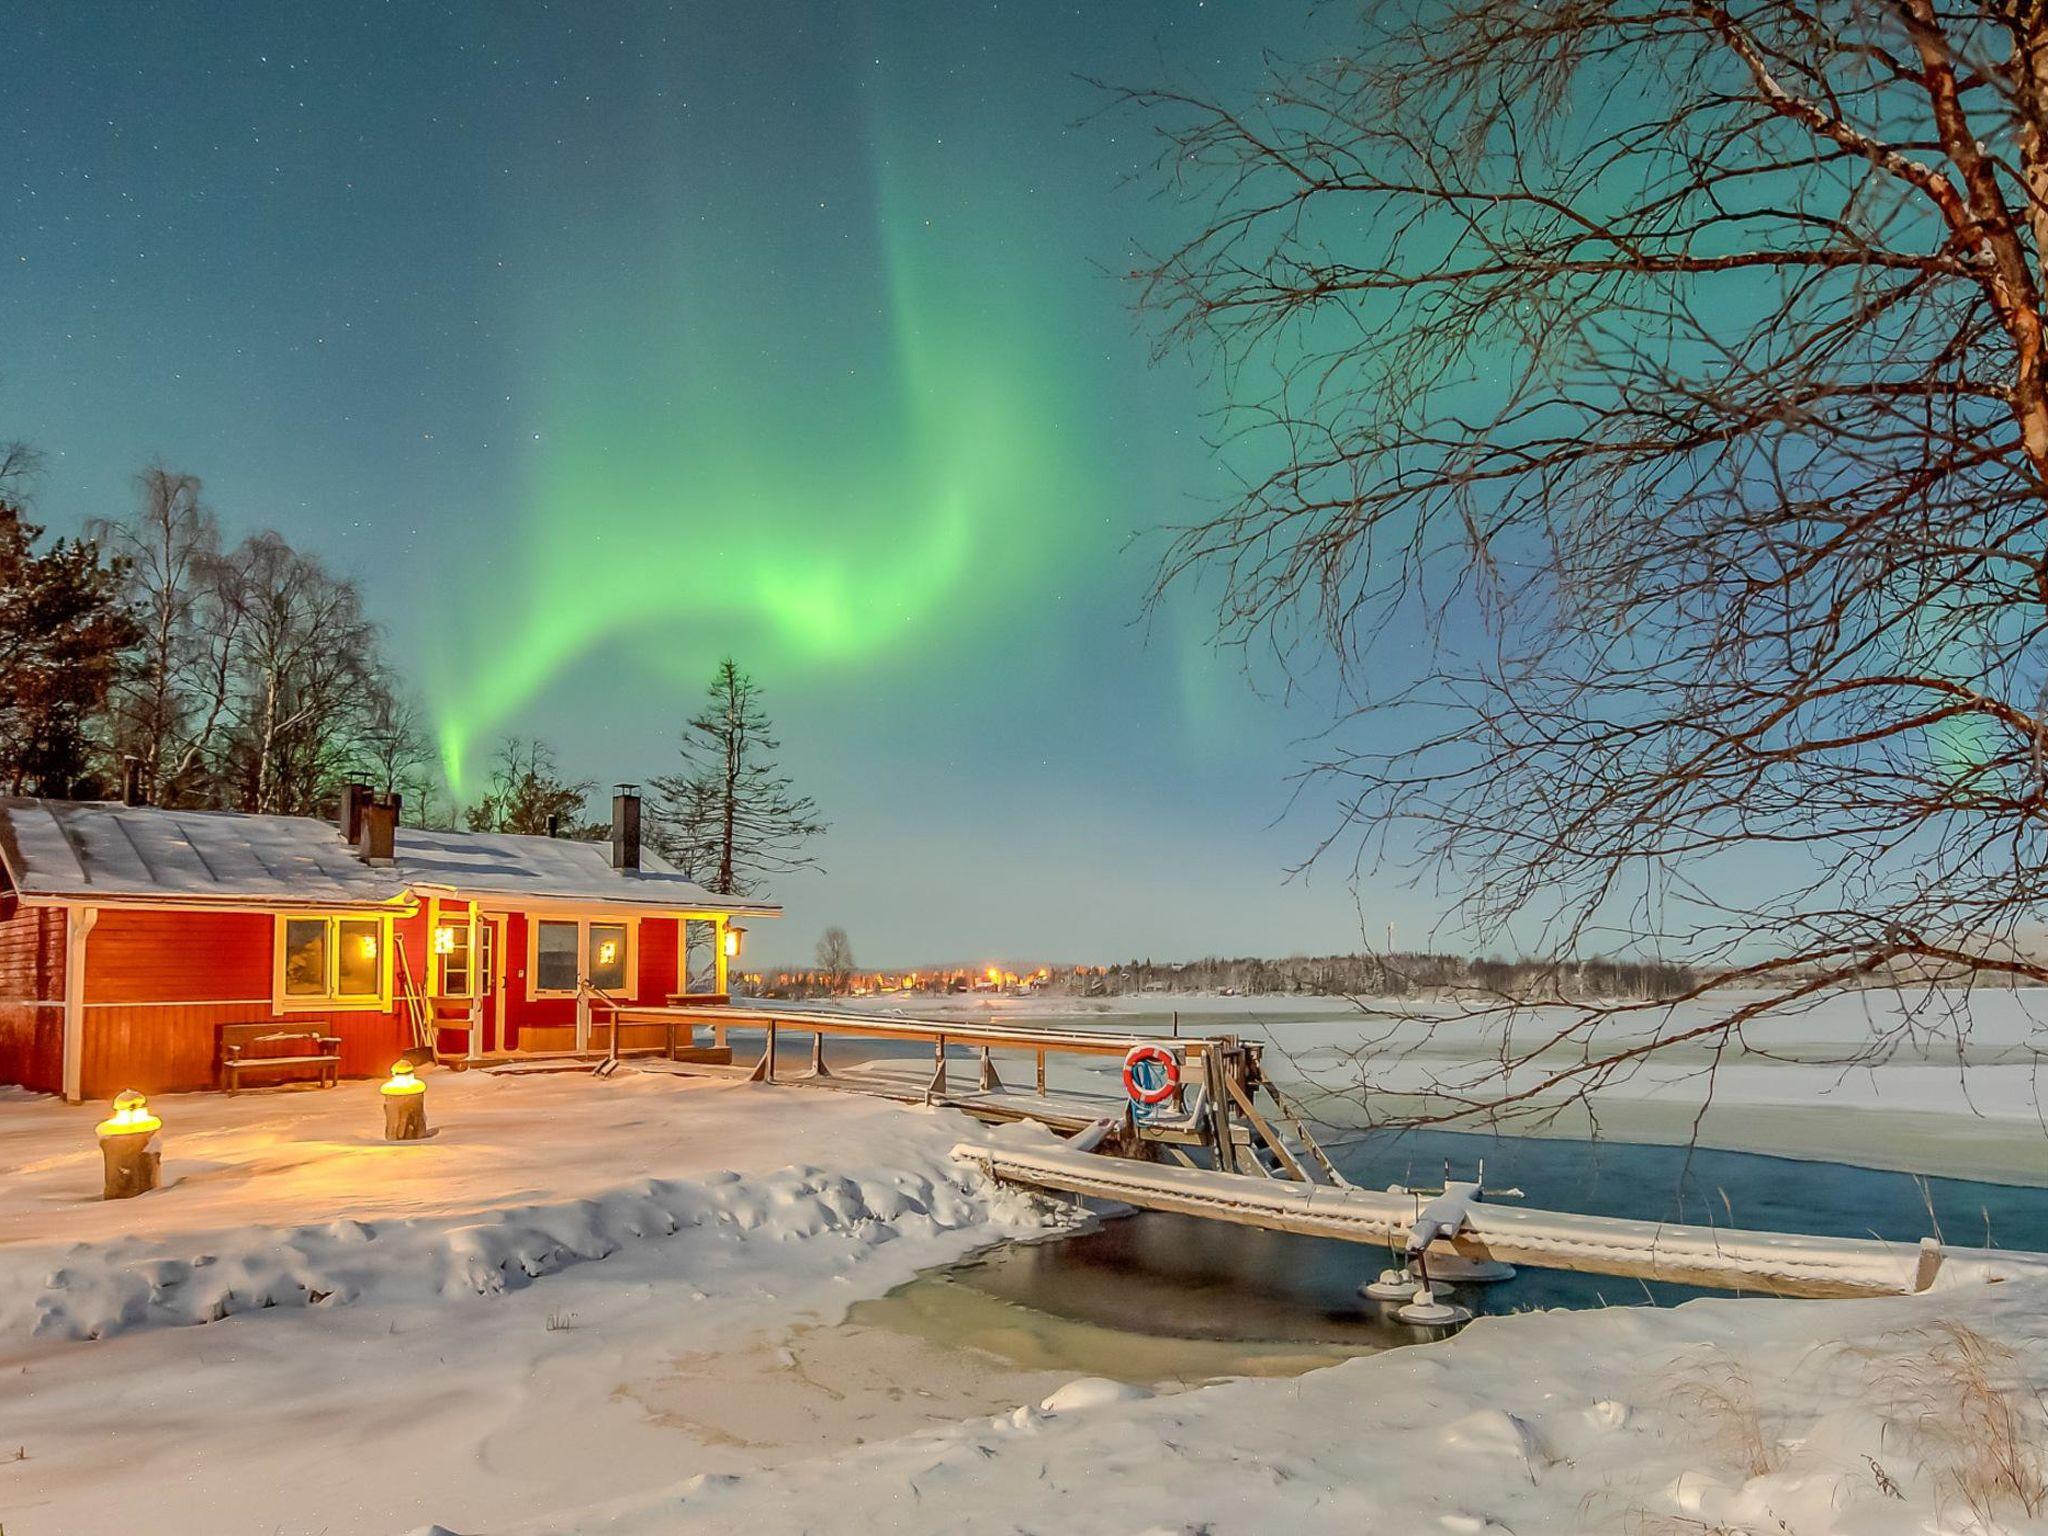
<point x="112" y="852"/>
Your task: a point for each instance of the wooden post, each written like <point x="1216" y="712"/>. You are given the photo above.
<point x="721" y="982"/>
<point x="818" y="1067"/>
<point x="1041" y="1072"/>
<point x="133" y="1164"/>
<point x="405" y="1116"/>
<point x="989" y="1082"/>
<point x="936" y="1088"/>
<point x="1214" y="1078"/>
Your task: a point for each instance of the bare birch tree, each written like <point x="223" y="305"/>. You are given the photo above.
<point x="307" y="675"/>
<point x="169" y="708"/>
<point x="1646" y="406"/>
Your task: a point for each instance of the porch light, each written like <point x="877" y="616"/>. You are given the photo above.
<point x="733" y="934"/>
<point x="127" y="1146"/>
<point x="405" y="1103"/>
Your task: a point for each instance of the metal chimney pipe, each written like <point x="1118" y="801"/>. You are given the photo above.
<point x="626" y="828"/>
<point x="378" y="843"/>
<point x="350" y="816"/>
<point x="131" y="780"/>
<point x="554" y="823"/>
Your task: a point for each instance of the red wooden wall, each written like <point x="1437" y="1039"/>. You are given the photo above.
<point x="31" y="995"/>
<point x="158" y="986"/>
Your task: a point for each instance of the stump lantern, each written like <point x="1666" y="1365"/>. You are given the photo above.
<point x="405" y="1103"/>
<point x="128" y="1145"/>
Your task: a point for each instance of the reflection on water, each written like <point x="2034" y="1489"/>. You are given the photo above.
<point x="1155" y="1297"/>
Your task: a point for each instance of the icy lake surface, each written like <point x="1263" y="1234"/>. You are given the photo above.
<point x="1155" y="1297"/>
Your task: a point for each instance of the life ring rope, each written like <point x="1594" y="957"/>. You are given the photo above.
<point x="1159" y="1056"/>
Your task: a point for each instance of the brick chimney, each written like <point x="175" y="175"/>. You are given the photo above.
<point x="377" y="834"/>
<point x="349" y="818"/>
<point x="626" y="828"/>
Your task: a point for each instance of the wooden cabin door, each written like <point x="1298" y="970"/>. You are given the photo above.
<point x="490" y="983"/>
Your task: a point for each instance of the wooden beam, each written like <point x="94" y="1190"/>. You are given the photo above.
<point x="1267" y="1133"/>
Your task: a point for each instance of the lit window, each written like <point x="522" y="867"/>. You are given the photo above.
<point x="608" y="956"/>
<point x="451" y="954"/>
<point x="333" y="959"/>
<point x="566" y="954"/>
<point x="555" y="958"/>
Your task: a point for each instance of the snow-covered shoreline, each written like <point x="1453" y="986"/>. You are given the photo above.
<point x="585" y="1305"/>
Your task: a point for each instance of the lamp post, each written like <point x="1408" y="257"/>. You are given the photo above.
<point x="405" y="1103"/>
<point x="127" y="1143"/>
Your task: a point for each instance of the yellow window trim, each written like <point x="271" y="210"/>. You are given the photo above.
<point x="379" y="1002"/>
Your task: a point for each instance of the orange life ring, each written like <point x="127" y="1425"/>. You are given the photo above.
<point x="1152" y="1055"/>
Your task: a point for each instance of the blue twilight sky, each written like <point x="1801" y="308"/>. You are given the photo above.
<point x="600" y="339"/>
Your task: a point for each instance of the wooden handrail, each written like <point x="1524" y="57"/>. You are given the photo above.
<point x="929" y="1031"/>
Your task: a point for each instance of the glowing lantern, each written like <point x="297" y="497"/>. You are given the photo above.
<point x="405" y="1103"/>
<point x="367" y="946"/>
<point x="131" y="1116"/>
<point x="127" y="1138"/>
<point x="733" y="934"/>
<point x="608" y="952"/>
<point x="444" y="940"/>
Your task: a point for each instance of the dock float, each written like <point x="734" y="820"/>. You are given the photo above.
<point x="1772" y="1263"/>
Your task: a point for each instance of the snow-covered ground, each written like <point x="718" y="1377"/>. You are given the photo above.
<point x="1959" y="1086"/>
<point x="606" y="1306"/>
<point x="470" y="1328"/>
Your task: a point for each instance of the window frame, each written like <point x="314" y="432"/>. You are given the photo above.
<point x="535" y="992"/>
<point x="329" y="1000"/>
<point x="466" y="945"/>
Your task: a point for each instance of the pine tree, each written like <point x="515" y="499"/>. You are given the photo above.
<point x="63" y="629"/>
<point x="731" y="818"/>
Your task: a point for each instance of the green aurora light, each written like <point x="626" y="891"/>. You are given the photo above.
<point x="689" y="495"/>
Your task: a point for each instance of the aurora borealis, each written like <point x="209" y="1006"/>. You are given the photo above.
<point x="598" y="341"/>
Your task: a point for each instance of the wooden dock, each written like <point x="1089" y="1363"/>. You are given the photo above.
<point x="1215" y="1113"/>
<point x="1228" y="1147"/>
<point x="1775" y="1263"/>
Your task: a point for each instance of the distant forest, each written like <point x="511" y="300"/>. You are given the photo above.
<point x="1395" y="975"/>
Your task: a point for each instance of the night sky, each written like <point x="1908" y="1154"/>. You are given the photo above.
<point x="600" y="340"/>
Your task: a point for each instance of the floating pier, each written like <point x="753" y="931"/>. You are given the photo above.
<point x="1775" y="1263"/>
<point x="1211" y="1151"/>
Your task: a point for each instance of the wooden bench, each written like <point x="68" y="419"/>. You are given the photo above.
<point x="276" y="1046"/>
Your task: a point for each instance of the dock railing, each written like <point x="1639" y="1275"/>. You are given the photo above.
<point x="1213" y="1109"/>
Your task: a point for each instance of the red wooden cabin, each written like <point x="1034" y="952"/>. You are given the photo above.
<point x="129" y="934"/>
